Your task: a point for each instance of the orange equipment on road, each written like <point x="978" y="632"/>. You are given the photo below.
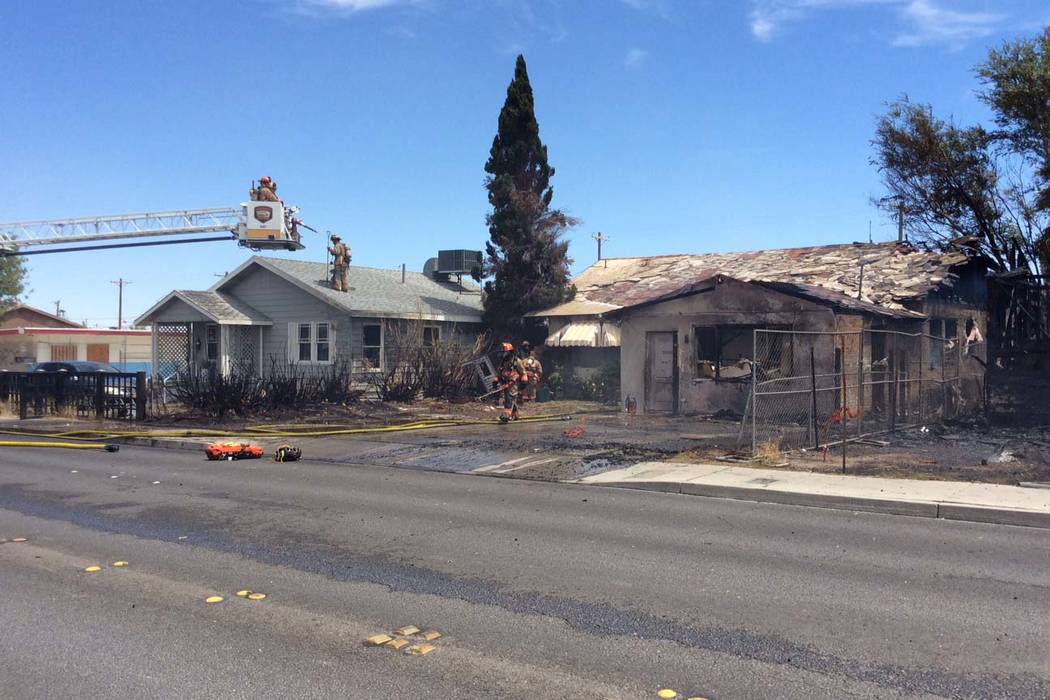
<point x="233" y="450"/>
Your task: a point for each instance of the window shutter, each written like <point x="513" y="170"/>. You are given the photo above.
<point x="331" y="342"/>
<point x="293" y="343"/>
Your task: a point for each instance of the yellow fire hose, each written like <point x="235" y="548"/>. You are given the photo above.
<point x="261" y="431"/>
<point x="62" y="445"/>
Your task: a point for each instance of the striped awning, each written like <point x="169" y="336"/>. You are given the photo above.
<point x="586" y="334"/>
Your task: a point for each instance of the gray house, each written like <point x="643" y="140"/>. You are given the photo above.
<point x="274" y="310"/>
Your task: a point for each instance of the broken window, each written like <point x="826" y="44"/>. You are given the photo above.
<point x="724" y="352"/>
<point x="948" y="329"/>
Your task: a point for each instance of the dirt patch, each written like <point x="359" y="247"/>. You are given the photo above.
<point x="960" y="452"/>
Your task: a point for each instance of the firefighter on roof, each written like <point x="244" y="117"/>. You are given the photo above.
<point x="340" y="264"/>
<point x="510" y="375"/>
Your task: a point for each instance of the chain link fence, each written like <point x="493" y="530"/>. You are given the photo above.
<point x="812" y="390"/>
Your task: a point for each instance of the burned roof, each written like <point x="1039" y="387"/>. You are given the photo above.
<point x="894" y="273"/>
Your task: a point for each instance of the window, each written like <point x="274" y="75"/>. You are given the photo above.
<point x="373" y="344"/>
<point x="311" y="342"/>
<point x="725" y="352"/>
<point x="305" y="343"/>
<point x="948" y="329"/>
<point x="321" y="343"/>
<point x="431" y="336"/>
<point x="211" y="342"/>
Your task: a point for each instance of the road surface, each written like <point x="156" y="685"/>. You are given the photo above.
<point x="539" y="590"/>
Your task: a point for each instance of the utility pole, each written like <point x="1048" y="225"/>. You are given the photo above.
<point x="58" y="308"/>
<point x="120" y="301"/>
<point x="601" y="238"/>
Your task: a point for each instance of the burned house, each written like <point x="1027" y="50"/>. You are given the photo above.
<point x="682" y="327"/>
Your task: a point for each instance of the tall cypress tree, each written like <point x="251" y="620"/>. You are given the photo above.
<point x="526" y="258"/>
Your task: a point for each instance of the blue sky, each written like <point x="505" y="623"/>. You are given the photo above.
<point x="674" y="125"/>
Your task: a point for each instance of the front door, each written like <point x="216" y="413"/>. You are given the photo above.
<point x="661" y="372"/>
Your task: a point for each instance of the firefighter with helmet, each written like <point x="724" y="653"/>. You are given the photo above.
<point x="267" y="190"/>
<point x="534" y="370"/>
<point x="510" y="375"/>
<point x="340" y="264"/>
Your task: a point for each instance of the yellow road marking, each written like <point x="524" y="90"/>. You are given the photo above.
<point x="396" y="644"/>
<point x="213" y="599"/>
<point x="93" y="568"/>
<point x="256" y="596"/>
<point x="431" y="635"/>
<point x="407" y="630"/>
<point x="120" y="564"/>
<point x="244" y="594"/>
<point x="667" y="694"/>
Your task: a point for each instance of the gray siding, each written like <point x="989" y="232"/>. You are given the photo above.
<point x="283" y="303"/>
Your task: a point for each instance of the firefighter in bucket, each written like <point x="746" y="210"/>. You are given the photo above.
<point x="510" y="376"/>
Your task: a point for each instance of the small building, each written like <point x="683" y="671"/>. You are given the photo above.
<point x="23" y="347"/>
<point x="682" y="326"/>
<point x="275" y="311"/>
<point x="24" y="316"/>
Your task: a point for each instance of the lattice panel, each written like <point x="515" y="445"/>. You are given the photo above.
<point x="173" y="349"/>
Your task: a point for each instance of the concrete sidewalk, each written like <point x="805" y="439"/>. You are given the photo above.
<point x="952" y="500"/>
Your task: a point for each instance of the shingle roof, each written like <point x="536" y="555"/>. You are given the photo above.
<point x="222" y="307"/>
<point x="893" y="273"/>
<point x="381" y="293"/>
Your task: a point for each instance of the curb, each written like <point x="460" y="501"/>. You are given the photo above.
<point x="919" y="509"/>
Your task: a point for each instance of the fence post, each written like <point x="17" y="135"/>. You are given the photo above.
<point x="842" y="405"/>
<point x="944" y="386"/>
<point x="140" y="396"/>
<point x="100" y="395"/>
<point x="813" y="393"/>
<point x="860" y="384"/>
<point x="754" y="389"/>
<point x="893" y="387"/>
<point x="922" y="366"/>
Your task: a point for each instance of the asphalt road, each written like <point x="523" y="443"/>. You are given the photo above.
<point x="540" y="590"/>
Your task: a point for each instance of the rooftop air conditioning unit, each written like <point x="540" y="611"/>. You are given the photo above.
<point x="458" y="262"/>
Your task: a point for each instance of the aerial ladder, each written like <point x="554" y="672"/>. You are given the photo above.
<point x="258" y="225"/>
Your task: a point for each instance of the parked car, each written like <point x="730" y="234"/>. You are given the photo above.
<point x="75" y="367"/>
<point x="120" y="394"/>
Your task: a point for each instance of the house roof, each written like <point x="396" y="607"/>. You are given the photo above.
<point x="376" y="292"/>
<point x="32" y="309"/>
<point x="219" y="307"/>
<point x="894" y="273"/>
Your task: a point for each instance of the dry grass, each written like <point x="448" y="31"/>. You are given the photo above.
<point x="768" y="452"/>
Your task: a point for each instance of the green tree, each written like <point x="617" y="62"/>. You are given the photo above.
<point x="526" y="258"/>
<point x="1016" y="79"/>
<point x="993" y="185"/>
<point x="12" y="280"/>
